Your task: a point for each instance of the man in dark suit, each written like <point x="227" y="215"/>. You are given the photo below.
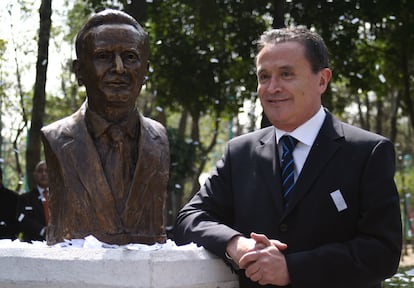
<point x="318" y="210"/>
<point x="8" y="205"/>
<point x="108" y="164"/>
<point x="32" y="207"/>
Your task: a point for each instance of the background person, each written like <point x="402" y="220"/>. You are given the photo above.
<point x="32" y="207"/>
<point x="340" y="225"/>
<point x="8" y="216"/>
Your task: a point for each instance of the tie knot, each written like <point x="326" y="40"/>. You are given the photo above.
<point x="115" y="133"/>
<point x="288" y="143"/>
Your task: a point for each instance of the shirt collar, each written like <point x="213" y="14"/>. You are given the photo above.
<point x="97" y="125"/>
<point x="307" y="132"/>
<point x="41" y="190"/>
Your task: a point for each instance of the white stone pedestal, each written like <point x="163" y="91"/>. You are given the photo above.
<point x="53" y="267"/>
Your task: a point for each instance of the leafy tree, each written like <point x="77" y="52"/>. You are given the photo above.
<point x="39" y="98"/>
<point x="202" y="62"/>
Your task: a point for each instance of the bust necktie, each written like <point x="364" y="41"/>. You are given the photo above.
<point x="115" y="166"/>
<point x="288" y="165"/>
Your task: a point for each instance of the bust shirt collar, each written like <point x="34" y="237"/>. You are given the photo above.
<point x="98" y="125"/>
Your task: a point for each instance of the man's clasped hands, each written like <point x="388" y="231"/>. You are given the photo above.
<point x="261" y="258"/>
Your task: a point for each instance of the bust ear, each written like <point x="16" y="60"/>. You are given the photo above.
<point x="76" y="70"/>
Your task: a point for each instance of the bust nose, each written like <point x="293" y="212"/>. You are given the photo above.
<point x="119" y="64"/>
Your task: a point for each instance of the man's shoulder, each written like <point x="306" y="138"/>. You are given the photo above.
<point x="9" y="194"/>
<point x="29" y="195"/>
<point x="354" y="133"/>
<point x="263" y="134"/>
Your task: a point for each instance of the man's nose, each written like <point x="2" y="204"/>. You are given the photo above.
<point x="274" y="85"/>
<point x="119" y="64"/>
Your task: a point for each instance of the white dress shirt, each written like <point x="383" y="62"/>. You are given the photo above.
<point x="305" y="134"/>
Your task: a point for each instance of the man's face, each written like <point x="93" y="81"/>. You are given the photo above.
<point x="40" y="176"/>
<point x="290" y="93"/>
<point x="112" y="68"/>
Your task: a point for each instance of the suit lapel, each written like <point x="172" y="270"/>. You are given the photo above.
<point x="85" y="158"/>
<point x="268" y="168"/>
<point x="322" y="150"/>
<point x="37" y="202"/>
<point x="149" y="156"/>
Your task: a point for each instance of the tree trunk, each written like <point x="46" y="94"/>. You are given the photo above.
<point x="175" y="195"/>
<point x="39" y="96"/>
<point x="367" y="114"/>
<point x="395" y="104"/>
<point x="204" y="152"/>
<point x="360" y="114"/>
<point x="137" y="9"/>
<point x="406" y="84"/>
<point x="380" y="116"/>
<point x="22" y="127"/>
<point x="278" y="13"/>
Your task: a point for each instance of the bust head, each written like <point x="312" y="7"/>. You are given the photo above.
<point x="112" y="61"/>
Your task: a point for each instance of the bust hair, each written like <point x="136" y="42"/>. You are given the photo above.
<point x="108" y="17"/>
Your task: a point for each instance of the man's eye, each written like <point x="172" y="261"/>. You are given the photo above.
<point x="263" y="77"/>
<point x="286" y="74"/>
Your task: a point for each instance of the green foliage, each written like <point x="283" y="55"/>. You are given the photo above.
<point x="183" y="155"/>
<point x="202" y="57"/>
<point x="405" y="183"/>
<point x="76" y="17"/>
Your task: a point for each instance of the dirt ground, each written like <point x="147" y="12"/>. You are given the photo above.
<point x="407" y="257"/>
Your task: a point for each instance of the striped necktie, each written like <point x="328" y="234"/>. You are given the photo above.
<point x="288" y="165"/>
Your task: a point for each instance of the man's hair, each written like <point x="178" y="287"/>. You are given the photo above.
<point x="39" y="164"/>
<point x="107" y="17"/>
<point x="315" y="49"/>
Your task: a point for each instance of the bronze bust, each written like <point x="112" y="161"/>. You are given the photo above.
<point x="108" y="164"/>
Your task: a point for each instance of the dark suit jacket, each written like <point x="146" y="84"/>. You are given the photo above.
<point x="81" y="202"/>
<point x="8" y="217"/>
<point x="31" y="215"/>
<point x="356" y="247"/>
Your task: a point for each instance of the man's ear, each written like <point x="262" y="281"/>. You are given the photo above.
<point x="76" y="70"/>
<point x="326" y="75"/>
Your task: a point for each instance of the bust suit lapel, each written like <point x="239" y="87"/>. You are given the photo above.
<point x="149" y="156"/>
<point x="86" y="161"/>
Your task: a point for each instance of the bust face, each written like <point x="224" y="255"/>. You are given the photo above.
<point x="112" y="67"/>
